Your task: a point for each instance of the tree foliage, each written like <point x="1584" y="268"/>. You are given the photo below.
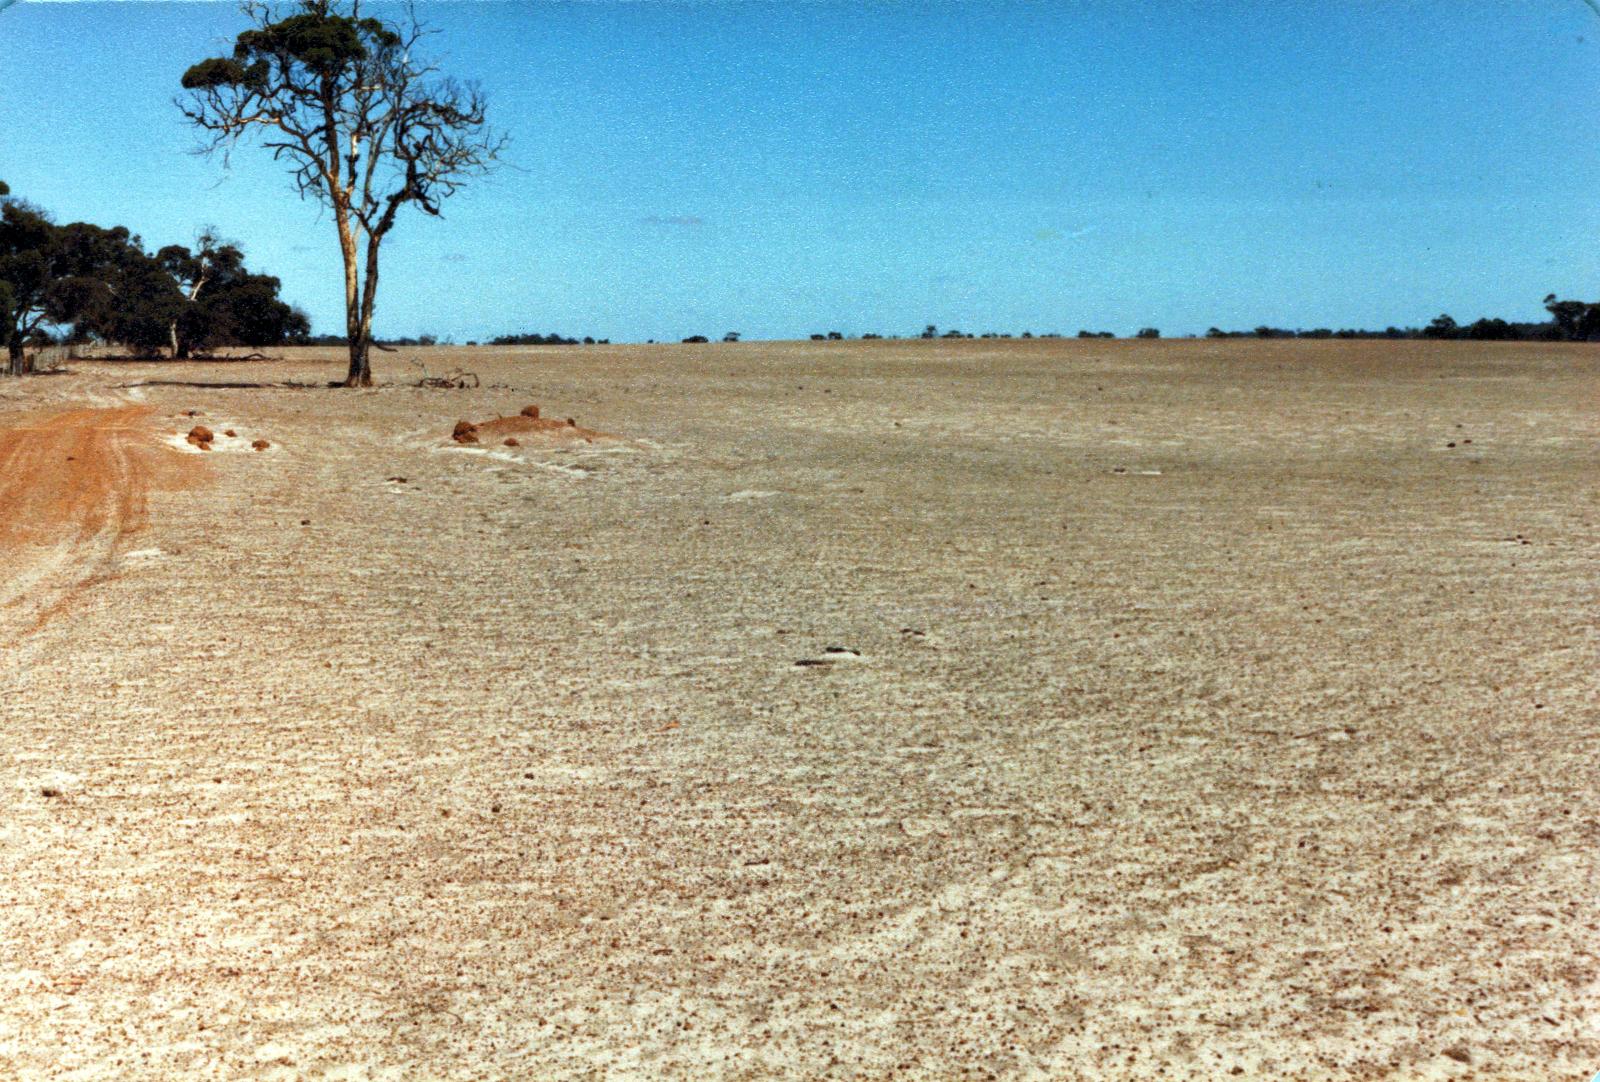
<point x="1577" y="321"/>
<point x="224" y="302"/>
<point x="51" y="274"/>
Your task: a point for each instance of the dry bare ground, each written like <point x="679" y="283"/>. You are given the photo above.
<point x="1197" y="710"/>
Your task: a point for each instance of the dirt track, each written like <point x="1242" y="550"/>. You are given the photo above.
<point x="1211" y="714"/>
<point x="74" y="486"/>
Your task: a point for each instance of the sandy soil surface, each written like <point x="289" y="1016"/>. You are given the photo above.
<point x="1170" y="710"/>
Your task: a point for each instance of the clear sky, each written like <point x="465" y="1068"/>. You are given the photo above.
<point x="783" y="168"/>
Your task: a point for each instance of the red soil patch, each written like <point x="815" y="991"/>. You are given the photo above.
<point x="72" y="475"/>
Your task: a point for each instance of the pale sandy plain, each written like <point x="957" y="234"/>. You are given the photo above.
<point x="1213" y="717"/>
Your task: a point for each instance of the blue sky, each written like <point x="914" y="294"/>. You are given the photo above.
<point x="780" y="169"/>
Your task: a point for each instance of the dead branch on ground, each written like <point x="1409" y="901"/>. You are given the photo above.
<point x="458" y="379"/>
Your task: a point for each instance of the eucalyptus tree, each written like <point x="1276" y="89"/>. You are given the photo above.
<point x="99" y="280"/>
<point x="31" y="273"/>
<point x="364" y="126"/>
<point x="223" y="302"/>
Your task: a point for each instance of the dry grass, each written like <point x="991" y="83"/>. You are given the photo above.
<point x="1211" y="713"/>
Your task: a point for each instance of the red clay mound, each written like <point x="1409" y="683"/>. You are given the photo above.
<point x="525" y="429"/>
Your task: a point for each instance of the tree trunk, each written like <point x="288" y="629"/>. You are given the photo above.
<point x="369" y="296"/>
<point x="360" y="373"/>
<point x="17" y="360"/>
<point x="180" y="346"/>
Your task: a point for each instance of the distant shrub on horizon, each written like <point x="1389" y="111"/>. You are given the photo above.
<point x="551" y="339"/>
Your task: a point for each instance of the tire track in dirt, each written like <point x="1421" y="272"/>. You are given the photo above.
<point x="74" y="486"/>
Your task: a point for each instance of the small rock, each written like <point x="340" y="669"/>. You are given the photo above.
<point x="1459" y="1053"/>
<point x="571" y="423"/>
<point x="511" y="441"/>
<point x="230" y="433"/>
<point x="50" y="792"/>
<point x="465" y="432"/>
<point x="201" y="437"/>
<point x="260" y="445"/>
<point x="530" y="411"/>
<point x="1450" y="444"/>
<point x="305" y="522"/>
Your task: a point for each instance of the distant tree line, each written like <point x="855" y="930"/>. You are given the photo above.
<point x="551" y="339"/>
<point x="332" y="340"/>
<point x="86" y="283"/>
<point x="1570" y="321"/>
